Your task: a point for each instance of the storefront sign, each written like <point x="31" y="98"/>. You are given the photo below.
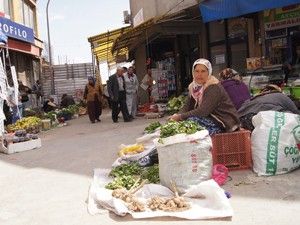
<point x="282" y="17"/>
<point x="15" y="30"/>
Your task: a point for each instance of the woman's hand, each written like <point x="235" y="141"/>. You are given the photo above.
<point x="176" y="117"/>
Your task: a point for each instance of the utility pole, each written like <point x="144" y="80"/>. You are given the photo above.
<point x="50" y="54"/>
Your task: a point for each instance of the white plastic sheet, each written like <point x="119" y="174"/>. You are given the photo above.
<point x="212" y="202"/>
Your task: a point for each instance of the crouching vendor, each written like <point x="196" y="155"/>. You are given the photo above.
<point x="208" y="103"/>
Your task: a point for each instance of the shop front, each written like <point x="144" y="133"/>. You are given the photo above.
<point x="282" y="34"/>
<point x="168" y="45"/>
<point x="257" y="41"/>
<point x="24" y="50"/>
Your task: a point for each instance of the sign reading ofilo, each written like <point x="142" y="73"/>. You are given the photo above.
<point x="15" y="30"/>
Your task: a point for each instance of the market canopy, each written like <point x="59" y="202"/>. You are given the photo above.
<point x="182" y="22"/>
<point x="132" y="36"/>
<point x="212" y="10"/>
<point x="101" y="45"/>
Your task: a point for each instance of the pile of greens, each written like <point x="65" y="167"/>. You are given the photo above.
<point x="175" y="104"/>
<point x="152" y="127"/>
<point x="173" y="127"/>
<point x="127" y="175"/>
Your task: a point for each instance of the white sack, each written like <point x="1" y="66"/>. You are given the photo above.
<point x="275" y="142"/>
<point x="185" y="159"/>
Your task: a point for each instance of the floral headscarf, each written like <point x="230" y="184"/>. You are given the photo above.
<point x="227" y="73"/>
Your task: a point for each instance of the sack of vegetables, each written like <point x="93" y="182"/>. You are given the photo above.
<point x="184" y="154"/>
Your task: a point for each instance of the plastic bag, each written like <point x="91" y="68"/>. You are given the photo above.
<point x="220" y="174"/>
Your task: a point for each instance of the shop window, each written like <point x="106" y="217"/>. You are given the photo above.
<point x="277" y="50"/>
<point x="218" y="58"/>
<point x="28" y="16"/>
<point x="238" y="56"/>
<point x="5" y="6"/>
<point x="216" y="31"/>
<point x="237" y="27"/>
<point x="28" y="12"/>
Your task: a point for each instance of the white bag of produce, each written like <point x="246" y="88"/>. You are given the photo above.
<point x="149" y="148"/>
<point x="275" y="142"/>
<point x="184" y="159"/>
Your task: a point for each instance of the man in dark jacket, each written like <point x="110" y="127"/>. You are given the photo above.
<point x="116" y="90"/>
<point x="66" y="100"/>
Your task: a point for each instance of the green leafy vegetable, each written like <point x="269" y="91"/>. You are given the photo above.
<point x="173" y="127"/>
<point x="152" y="127"/>
<point x="126" y="175"/>
<point x="176" y="103"/>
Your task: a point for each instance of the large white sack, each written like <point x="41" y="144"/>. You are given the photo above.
<point x="185" y="159"/>
<point x="275" y="142"/>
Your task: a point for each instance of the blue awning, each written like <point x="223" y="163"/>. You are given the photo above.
<point x="222" y="9"/>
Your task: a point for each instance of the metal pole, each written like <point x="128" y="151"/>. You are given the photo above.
<point x="49" y="49"/>
<point x="93" y="59"/>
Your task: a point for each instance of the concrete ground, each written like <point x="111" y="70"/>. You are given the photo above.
<point x="49" y="186"/>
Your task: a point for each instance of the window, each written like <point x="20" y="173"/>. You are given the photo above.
<point x="228" y="44"/>
<point x="238" y="56"/>
<point x="218" y="58"/>
<point x="28" y="16"/>
<point x="5" y="6"/>
<point x="28" y="12"/>
<point x="216" y="31"/>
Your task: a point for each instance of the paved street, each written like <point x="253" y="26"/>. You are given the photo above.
<point x="49" y="186"/>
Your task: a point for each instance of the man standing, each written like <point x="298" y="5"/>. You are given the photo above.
<point x="117" y="93"/>
<point x="37" y="89"/>
<point x="132" y="85"/>
<point x="147" y="83"/>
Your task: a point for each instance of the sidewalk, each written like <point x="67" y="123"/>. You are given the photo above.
<point x="49" y="186"/>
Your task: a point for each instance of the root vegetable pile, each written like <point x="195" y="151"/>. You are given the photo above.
<point x="168" y="204"/>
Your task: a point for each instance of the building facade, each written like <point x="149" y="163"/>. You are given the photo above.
<point x="18" y="21"/>
<point x="167" y="36"/>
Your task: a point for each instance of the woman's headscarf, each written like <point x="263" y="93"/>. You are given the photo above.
<point x="204" y="62"/>
<point x="196" y="90"/>
<point x="227" y="74"/>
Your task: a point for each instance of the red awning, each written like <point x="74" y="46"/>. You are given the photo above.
<point x="24" y="47"/>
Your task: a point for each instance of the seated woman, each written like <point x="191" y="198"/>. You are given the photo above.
<point x="208" y="103"/>
<point x="66" y="100"/>
<point x="49" y="105"/>
<point x="235" y="88"/>
<point x="269" y="98"/>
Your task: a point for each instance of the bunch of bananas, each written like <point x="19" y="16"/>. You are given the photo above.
<point x="131" y="150"/>
<point x="25" y="123"/>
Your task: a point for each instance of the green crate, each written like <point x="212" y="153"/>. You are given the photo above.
<point x="295" y="92"/>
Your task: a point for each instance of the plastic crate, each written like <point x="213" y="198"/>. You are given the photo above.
<point x="295" y="92"/>
<point x="233" y="150"/>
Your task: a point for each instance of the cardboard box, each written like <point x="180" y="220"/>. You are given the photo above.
<point x="22" y="146"/>
<point x="254" y="63"/>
